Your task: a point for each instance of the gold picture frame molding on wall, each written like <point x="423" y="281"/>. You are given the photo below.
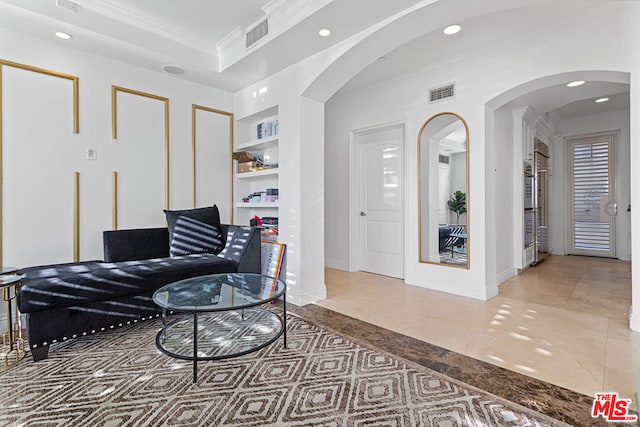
<point x="114" y="135"/>
<point x="76" y="216"/>
<point x="194" y="109"/>
<point x="76" y="129"/>
<point x="114" y="200"/>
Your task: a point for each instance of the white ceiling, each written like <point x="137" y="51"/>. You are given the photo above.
<point x="153" y="33"/>
<point x="482" y="33"/>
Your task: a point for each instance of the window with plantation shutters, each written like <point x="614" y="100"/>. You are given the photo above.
<point x="591" y="194"/>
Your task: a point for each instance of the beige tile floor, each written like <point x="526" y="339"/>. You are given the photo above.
<point x="564" y="321"/>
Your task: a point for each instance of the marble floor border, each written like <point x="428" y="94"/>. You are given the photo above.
<point x="554" y="401"/>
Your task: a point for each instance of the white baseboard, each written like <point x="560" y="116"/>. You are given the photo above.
<point x="308" y="297"/>
<point x="505" y="275"/>
<point x="634" y="320"/>
<point x="492" y="291"/>
<point x="337" y="263"/>
<point x="459" y="289"/>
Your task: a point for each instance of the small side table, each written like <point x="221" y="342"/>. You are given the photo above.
<point x="463" y="237"/>
<point x="12" y="347"/>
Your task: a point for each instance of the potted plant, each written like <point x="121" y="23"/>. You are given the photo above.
<point x="458" y="204"/>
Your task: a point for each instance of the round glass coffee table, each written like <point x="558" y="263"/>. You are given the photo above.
<point x="220" y="316"/>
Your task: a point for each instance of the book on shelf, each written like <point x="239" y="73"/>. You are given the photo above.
<point x="267" y="129"/>
<point x="270" y="195"/>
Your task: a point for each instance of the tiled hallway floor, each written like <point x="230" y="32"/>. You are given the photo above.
<point x="564" y="321"/>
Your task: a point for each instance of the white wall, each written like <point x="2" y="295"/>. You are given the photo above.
<point x="41" y="153"/>
<point x="612" y="121"/>
<point x="580" y="45"/>
<point x="504" y="190"/>
<point x="300" y="177"/>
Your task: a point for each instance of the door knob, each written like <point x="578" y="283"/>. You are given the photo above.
<point x="612" y="208"/>
<point x="363" y="213"/>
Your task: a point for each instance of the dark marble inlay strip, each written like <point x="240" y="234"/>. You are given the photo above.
<point x="554" y="401"/>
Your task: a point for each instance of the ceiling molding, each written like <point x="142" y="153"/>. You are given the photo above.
<point x="237" y="33"/>
<point x="110" y="10"/>
<point x="275" y="7"/>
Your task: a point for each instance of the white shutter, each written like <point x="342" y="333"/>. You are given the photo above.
<point x="591" y="181"/>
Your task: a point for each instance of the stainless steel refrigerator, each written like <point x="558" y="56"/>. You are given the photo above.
<point x="541" y="199"/>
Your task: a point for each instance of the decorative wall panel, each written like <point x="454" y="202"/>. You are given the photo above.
<point x="212" y="141"/>
<point x="35" y="130"/>
<point x="140" y="130"/>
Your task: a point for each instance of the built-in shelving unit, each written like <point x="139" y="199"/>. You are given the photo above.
<point x="257" y="205"/>
<point x="257" y="174"/>
<point x="258" y="136"/>
<point x="271" y="141"/>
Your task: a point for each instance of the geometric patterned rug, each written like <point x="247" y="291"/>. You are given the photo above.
<point x="119" y="378"/>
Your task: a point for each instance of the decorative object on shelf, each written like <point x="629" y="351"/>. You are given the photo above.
<point x="267" y="129"/>
<point x="247" y="161"/>
<point x="268" y="225"/>
<point x="270" y="195"/>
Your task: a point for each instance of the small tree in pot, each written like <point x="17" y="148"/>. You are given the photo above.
<point x="458" y="204"/>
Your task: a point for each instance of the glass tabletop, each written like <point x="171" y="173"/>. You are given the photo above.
<point x="8" y="270"/>
<point x="9" y="279"/>
<point x="218" y="292"/>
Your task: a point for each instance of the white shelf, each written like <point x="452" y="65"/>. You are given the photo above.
<point x="264" y="172"/>
<point x="267" y="149"/>
<point x="260" y="115"/>
<point x="257" y="205"/>
<point x="270" y="141"/>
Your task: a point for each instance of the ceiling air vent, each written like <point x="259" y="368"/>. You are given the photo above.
<point x="443" y="159"/>
<point x="257" y="32"/>
<point x="440" y="93"/>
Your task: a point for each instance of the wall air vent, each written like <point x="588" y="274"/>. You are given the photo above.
<point x="443" y="159"/>
<point x="67" y="5"/>
<point x="257" y="32"/>
<point x="440" y="93"/>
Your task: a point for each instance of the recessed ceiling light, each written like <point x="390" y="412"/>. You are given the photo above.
<point x="452" y="29"/>
<point x="172" y="69"/>
<point x="62" y="35"/>
<point x="325" y="32"/>
<point x="576" y="83"/>
<point x="599" y="100"/>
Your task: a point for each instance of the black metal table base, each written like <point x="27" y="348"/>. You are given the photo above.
<point x="162" y="334"/>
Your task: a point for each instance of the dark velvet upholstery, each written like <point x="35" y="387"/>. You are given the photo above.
<point x="129" y="245"/>
<point x="194" y="231"/>
<point x="445" y="239"/>
<point x="67" y="300"/>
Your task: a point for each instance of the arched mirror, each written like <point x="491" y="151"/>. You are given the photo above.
<point x="443" y="190"/>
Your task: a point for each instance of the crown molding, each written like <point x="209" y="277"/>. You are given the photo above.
<point x="275" y="7"/>
<point x="110" y="10"/>
<point x="230" y="38"/>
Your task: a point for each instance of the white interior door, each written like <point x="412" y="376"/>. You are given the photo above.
<point x="381" y="204"/>
<point x="593" y="208"/>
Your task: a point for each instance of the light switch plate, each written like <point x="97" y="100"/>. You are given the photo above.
<point x="92" y="153"/>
